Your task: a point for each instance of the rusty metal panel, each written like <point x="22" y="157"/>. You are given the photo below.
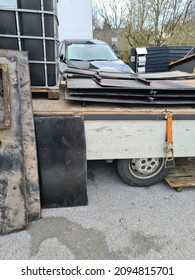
<point x="13" y="207"/>
<point x="29" y="141"/>
<point x="4" y="88"/>
<point x="19" y="191"/>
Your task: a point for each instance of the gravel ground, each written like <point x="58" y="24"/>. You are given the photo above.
<point x="120" y="222"/>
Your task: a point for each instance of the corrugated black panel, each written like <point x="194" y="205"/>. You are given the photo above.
<point x="158" y="58"/>
<point x="178" y="52"/>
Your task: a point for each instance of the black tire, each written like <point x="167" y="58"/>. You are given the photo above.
<point x="142" y="172"/>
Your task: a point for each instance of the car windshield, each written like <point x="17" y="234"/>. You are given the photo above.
<point x="90" y="52"/>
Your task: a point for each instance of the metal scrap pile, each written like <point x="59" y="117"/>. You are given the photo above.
<point x="152" y="88"/>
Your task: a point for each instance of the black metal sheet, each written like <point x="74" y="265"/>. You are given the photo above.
<point x="167" y="75"/>
<point x="155" y="84"/>
<point x="128" y="76"/>
<point x="132" y="93"/>
<point x="132" y="85"/>
<point x="147" y="100"/>
<point x="164" y="88"/>
<point x="62" y="160"/>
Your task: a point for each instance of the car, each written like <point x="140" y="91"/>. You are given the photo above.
<point x="90" y="55"/>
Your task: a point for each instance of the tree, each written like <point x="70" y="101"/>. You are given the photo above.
<point x="148" y="22"/>
<point x="166" y="15"/>
<point x="112" y="13"/>
<point x="180" y="27"/>
<point x="138" y="31"/>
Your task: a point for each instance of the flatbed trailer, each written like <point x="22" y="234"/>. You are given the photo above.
<point x="126" y="131"/>
<point x="44" y="151"/>
<point x="123" y="132"/>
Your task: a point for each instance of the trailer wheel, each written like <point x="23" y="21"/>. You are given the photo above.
<point x="142" y="172"/>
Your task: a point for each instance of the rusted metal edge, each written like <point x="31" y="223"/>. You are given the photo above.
<point x="6" y="97"/>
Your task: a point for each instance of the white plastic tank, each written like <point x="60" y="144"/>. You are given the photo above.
<point x="75" y="19"/>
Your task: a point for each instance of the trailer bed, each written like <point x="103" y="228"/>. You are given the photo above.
<point x="113" y="126"/>
<point x="62" y="106"/>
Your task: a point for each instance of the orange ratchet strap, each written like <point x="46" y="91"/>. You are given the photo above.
<point x="169" y="156"/>
<point x="169" y="128"/>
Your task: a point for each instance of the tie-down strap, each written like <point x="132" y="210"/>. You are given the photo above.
<point x="169" y="154"/>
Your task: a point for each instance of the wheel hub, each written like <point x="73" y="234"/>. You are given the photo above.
<point x="145" y="167"/>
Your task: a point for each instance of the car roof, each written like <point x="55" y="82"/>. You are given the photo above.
<point x="83" y="41"/>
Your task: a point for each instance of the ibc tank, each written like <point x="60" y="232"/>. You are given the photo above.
<point x="31" y="25"/>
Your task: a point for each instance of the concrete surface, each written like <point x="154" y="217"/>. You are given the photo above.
<point x="120" y="222"/>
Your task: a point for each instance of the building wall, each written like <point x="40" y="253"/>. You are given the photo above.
<point x="109" y="36"/>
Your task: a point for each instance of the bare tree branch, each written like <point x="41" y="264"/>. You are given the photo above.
<point x="147" y="22"/>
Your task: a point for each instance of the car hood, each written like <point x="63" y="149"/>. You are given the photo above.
<point x="106" y="66"/>
<point x="111" y="66"/>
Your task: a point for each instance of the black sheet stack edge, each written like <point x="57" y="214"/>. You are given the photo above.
<point x="149" y="88"/>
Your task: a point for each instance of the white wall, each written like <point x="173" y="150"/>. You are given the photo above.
<point x="9" y="3"/>
<point x="75" y="19"/>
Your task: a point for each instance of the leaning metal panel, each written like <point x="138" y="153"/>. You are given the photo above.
<point x="19" y="187"/>
<point x="61" y="149"/>
<point x="13" y="215"/>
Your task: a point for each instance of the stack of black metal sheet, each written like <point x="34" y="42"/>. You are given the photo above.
<point x="149" y="88"/>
